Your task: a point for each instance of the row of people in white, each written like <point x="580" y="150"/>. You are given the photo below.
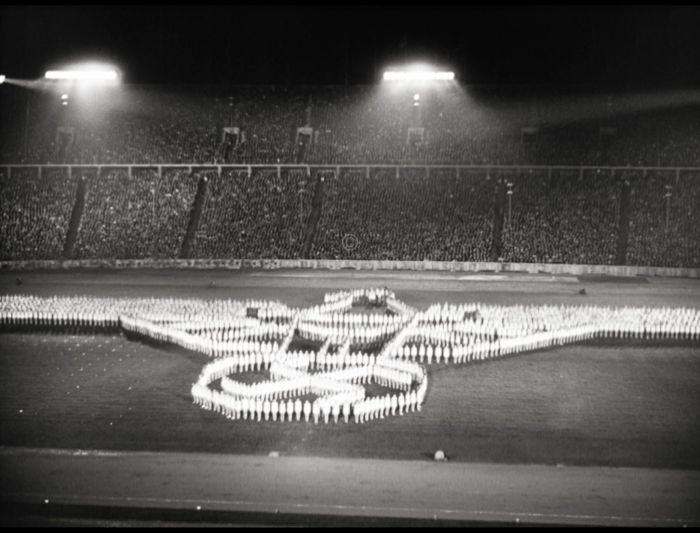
<point x="399" y="307"/>
<point x="339" y="306"/>
<point x="201" y="326"/>
<point x="460" y="333"/>
<point x="514" y="321"/>
<point x="388" y="405"/>
<point x="358" y="335"/>
<point x="483" y="321"/>
<point x="87" y="310"/>
<point x="337" y="390"/>
<point x="253" y="329"/>
<point x="321" y="409"/>
<point x="191" y="315"/>
<point x="350" y="319"/>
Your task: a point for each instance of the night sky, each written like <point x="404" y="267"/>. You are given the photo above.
<point x="630" y="46"/>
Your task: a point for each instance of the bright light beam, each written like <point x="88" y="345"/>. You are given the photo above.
<point x="418" y="75"/>
<point x="2" y="79"/>
<point x="82" y="75"/>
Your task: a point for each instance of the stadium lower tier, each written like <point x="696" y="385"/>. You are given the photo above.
<point x="575" y="216"/>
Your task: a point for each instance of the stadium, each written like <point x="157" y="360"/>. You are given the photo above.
<point x="409" y="297"/>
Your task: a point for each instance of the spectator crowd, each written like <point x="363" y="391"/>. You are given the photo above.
<point x="413" y="213"/>
<point x="358" y="125"/>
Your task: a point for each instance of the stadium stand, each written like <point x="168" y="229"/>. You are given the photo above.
<point x="261" y="216"/>
<point x="35" y="213"/>
<point x="567" y="218"/>
<point x="413" y="216"/>
<point x="138" y="217"/>
<point x="556" y="216"/>
<point x="654" y="243"/>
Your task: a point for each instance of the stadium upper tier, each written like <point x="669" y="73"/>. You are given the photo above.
<point x="591" y="216"/>
<point x="358" y="125"/>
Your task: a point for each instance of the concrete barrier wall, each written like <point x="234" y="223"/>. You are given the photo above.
<point x="329" y="264"/>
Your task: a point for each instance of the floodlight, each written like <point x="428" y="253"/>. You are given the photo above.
<point x="64" y="97"/>
<point x="100" y="75"/>
<point x="418" y="75"/>
<point x="2" y="79"/>
<point x="416" y="97"/>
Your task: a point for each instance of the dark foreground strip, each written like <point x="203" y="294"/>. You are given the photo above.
<point x="29" y="514"/>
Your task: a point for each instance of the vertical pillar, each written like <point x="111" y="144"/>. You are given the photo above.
<point x="250" y="171"/>
<point x="367" y="171"/>
<point x="279" y="172"/>
<point x="397" y="171"/>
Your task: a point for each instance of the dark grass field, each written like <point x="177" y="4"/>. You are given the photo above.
<point x="579" y="405"/>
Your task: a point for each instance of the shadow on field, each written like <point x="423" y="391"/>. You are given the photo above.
<point x="24" y="515"/>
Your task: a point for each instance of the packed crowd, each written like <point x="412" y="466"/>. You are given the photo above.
<point x="35" y="214"/>
<point x="261" y="216"/>
<point x="568" y="218"/>
<point x="412" y="216"/>
<point x="565" y="216"/>
<point x="655" y="240"/>
<point x="135" y="217"/>
<point x="356" y="126"/>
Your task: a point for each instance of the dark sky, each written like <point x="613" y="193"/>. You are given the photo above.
<point x="640" y="47"/>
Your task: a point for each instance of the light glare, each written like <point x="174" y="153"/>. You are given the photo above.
<point x="418" y="75"/>
<point x="2" y="79"/>
<point x="82" y="75"/>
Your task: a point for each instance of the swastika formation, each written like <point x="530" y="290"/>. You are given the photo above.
<point x="326" y="363"/>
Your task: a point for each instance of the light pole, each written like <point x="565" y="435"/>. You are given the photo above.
<point x="153" y="208"/>
<point x="668" y="204"/>
<point x="510" y="203"/>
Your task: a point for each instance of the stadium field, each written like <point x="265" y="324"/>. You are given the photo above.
<point x="615" y="404"/>
<point x="630" y="406"/>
